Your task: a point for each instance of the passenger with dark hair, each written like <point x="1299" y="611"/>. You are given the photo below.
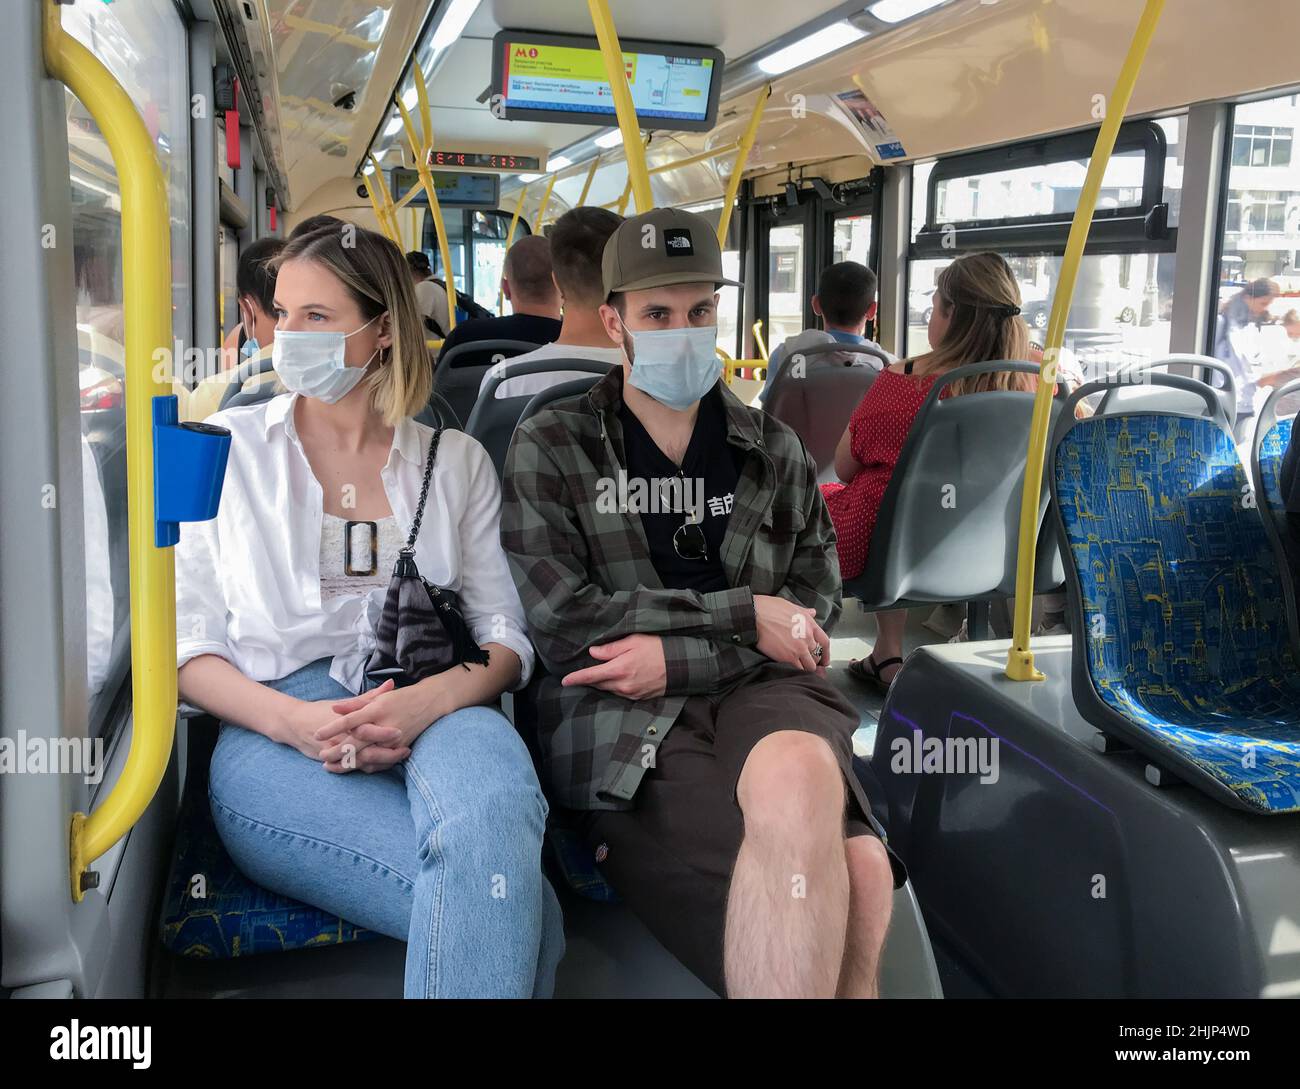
<point x="527" y="282"/>
<point x="252" y="337"/>
<point x="577" y="243"/>
<point x="976" y="319"/>
<point x="845" y="301"/>
<point x="686" y="714"/>
<point x="430" y="296"/>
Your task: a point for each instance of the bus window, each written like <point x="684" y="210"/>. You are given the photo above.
<point x="488" y="239"/>
<point x="455" y="224"/>
<point x="144" y="46"/>
<point x="1120" y="312"/>
<point x="785" y="287"/>
<point x="1261" y="242"/>
<point x="852" y="240"/>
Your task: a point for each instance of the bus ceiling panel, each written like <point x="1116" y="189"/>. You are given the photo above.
<point x="336" y="62"/>
<point x="737" y="27"/>
<point x="972" y="74"/>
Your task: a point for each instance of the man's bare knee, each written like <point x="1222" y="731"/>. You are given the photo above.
<point x="790" y="779"/>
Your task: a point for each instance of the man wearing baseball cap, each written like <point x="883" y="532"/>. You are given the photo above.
<point x="678" y="568"/>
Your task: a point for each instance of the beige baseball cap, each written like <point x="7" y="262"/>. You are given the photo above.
<point x="662" y="247"/>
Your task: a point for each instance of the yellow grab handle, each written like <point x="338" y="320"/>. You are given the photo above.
<point x="1020" y="660"/>
<point x="146" y="302"/>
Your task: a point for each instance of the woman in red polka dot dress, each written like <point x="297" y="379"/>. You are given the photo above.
<point x="975" y="320"/>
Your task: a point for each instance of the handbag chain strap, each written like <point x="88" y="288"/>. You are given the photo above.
<point x="424" y="492"/>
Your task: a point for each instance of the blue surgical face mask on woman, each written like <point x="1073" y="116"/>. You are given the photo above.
<point x="311" y="362"/>
<point x="675" y="366"/>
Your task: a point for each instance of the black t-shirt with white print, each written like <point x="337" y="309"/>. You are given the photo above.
<point x="709" y="471"/>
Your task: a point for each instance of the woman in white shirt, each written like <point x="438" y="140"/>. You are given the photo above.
<point x="412" y="811"/>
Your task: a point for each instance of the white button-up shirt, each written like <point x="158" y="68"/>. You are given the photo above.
<point x="248" y="581"/>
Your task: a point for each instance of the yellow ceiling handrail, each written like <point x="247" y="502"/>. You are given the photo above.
<point x="738" y="167"/>
<point x="698" y="157"/>
<point x="146" y="304"/>
<point x="1020" y="659"/>
<point x="384" y="203"/>
<point x="586" y="186"/>
<point x="420" y="148"/>
<point x="541" y="208"/>
<point x="374" y="203"/>
<point x="624" y="108"/>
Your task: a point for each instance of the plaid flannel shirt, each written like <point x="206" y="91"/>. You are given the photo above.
<point x="586" y="578"/>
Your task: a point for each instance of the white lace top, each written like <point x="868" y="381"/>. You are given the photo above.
<point x="356" y="556"/>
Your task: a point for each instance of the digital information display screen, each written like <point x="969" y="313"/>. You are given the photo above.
<point x="485" y="160"/>
<point x="454" y="189"/>
<point x="561" y="78"/>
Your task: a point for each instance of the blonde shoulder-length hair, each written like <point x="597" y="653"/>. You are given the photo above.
<point x="376" y="275"/>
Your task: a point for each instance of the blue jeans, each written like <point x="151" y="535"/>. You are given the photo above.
<point x="443" y="851"/>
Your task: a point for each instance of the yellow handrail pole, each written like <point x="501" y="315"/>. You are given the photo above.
<point x="406" y="198"/>
<point x="421" y="153"/>
<point x="758" y="338"/>
<point x="385" y="199"/>
<point x="627" y="194"/>
<point x="623" y="107"/>
<point x="738" y="168"/>
<point x="379" y="211"/>
<point x="1020" y="660"/>
<point x="541" y="208"/>
<point x="514" y="219"/>
<point x="586" y="186"/>
<point x="146" y="303"/>
<point x="444" y="247"/>
<point x="699" y="157"/>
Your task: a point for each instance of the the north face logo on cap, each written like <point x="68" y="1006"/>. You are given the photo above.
<point x="677" y="242"/>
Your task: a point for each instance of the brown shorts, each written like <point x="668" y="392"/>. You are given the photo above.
<point x="670" y="858"/>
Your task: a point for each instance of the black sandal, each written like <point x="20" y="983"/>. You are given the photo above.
<point x="868" y="670"/>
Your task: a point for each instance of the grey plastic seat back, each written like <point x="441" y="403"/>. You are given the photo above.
<point x="438" y="413"/>
<point x="548" y="397"/>
<point x="494" y="418"/>
<point x="235" y="394"/>
<point x="459" y="384"/>
<point x="949" y="520"/>
<point x="818" y="405"/>
<point x="871" y="353"/>
<point x="1130" y="390"/>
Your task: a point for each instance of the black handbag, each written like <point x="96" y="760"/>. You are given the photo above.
<point x="421" y="631"/>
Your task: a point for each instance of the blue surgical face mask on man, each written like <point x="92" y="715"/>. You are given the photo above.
<point x="250" y="348"/>
<point x="311" y="362"/>
<point x="676" y="367"/>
